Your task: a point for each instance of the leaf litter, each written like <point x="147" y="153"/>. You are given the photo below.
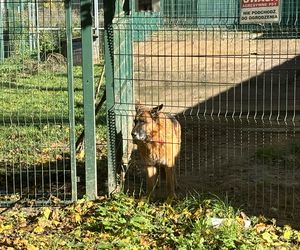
<point x="122" y="222"/>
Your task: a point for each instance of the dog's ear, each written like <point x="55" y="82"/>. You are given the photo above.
<point x="138" y="106"/>
<point x="154" y="111"/>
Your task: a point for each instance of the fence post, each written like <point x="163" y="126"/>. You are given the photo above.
<point x="96" y="27"/>
<point x="68" y="9"/>
<point x="109" y="9"/>
<point x="1" y="31"/>
<point x="88" y="98"/>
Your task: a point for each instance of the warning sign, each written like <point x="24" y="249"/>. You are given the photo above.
<point x="260" y="11"/>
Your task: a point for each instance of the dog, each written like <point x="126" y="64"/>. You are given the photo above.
<point x="158" y="139"/>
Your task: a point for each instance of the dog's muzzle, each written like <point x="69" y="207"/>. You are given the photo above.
<point x="138" y="136"/>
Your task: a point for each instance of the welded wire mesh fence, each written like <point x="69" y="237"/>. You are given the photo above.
<point x="35" y="157"/>
<point x="233" y="87"/>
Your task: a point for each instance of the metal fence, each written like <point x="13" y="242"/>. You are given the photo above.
<point x="233" y="87"/>
<point x="41" y="95"/>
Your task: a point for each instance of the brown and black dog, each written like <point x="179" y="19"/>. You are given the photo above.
<point x="158" y="138"/>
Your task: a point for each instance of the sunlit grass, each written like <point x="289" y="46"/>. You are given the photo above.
<point x="122" y="222"/>
<point x="34" y="110"/>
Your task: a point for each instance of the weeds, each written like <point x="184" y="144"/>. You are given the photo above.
<point x="125" y="223"/>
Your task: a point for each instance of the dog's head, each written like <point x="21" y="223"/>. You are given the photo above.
<point x="145" y="122"/>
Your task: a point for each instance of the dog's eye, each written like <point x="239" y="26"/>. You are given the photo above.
<point x="136" y="121"/>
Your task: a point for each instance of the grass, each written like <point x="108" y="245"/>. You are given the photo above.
<point x="122" y="222"/>
<point x="34" y="108"/>
<point x="277" y="154"/>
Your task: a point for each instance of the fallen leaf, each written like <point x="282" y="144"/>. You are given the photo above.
<point x="267" y="237"/>
<point x="298" y="236"/>
<point x="31" y="247"/>
<point x="80" y="155"/>
<point x="5" y="227"/>
<point x="46" y="213"/>
<point x="55" y="223"/>
<point x="260" y="227"/>
<point x="38" y="229"/>
<point x="287" y="232"/>
<point x="77" y="218"/>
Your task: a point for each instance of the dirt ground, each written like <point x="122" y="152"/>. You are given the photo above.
<point x="231" y="72"/>
<point x="237" y="98"/>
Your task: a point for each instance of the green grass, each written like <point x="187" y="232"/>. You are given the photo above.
<point x="122" y="222"/>
<point x="276" y="154"/>
<point x="34" y="105"/>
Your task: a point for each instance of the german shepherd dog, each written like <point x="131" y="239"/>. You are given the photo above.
<point x="158" y="138"/>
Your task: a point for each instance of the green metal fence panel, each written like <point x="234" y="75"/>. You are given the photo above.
<point x="47" y="95"/>
<point x="71" y="97"/>
<point x="119" y="85"/>
<point x="34" y="152"/>
<point x="290" y="13"/>
<point x="233" y="88"/>
<point x="220" y="13"/>
<point x="109" y="84"/>
<point x="154" y="20"/>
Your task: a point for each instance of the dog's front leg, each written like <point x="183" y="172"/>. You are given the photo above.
<point x="151" y="178"/>
<point x="170" y="182"/>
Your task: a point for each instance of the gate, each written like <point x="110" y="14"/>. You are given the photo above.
<point x="233" y="87"/>
<point x="42" y="96"/>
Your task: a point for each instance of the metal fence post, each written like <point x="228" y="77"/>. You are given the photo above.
<point x="68" y="8"/>
<point x="88" y="98"/>
<point x="1" y="31"/>
<point x="109" y="8"/>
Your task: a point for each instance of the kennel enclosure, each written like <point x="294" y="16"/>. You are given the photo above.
<point x="234" y="87"/>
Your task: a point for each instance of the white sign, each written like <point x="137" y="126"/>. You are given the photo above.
<point x="260" y="11"/>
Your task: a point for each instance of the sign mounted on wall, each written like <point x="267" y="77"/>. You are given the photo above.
<point x="260" y="11"/>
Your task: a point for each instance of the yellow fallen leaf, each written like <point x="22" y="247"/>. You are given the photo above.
<point x="198" y="213"/>
<point x="77" y="217"/>
<point x="61" y="242"/>
<point x="5" y="227"/>
<point x="287" y="233"/>
<point x="38" y="229"/>
<point x="267" y="237"/>
<point x="80" y="155"/>
<point x="104" y="236"/>
<point x="89" y="204"/>
<point x="55" y="223"/>
<point x="16" y="241"/>
<point x="186" y="213"/>
<point x="25" y="244"/>
<point x="298" y="236"/>
<point x="31" y="247"/>
<point x="46" y="213"/>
